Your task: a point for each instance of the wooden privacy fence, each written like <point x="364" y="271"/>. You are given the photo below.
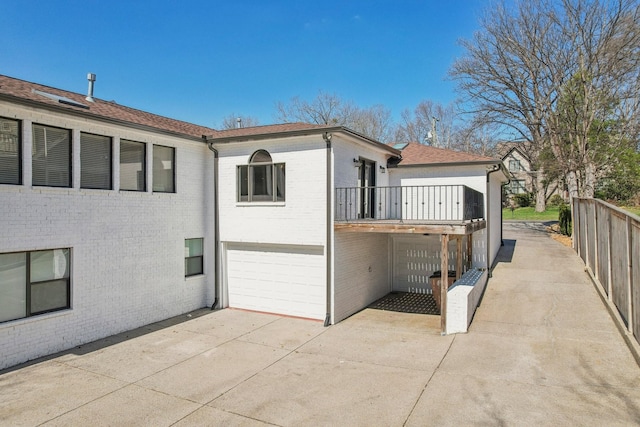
<point x="608" y="241"/>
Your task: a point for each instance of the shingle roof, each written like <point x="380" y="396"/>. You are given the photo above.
<point x="107" y="110"/>
<point x="419" y="154"/>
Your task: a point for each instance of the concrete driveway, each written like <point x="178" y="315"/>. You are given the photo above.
<point x="542" y="351"/>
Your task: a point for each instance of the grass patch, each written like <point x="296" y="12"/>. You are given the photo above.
<point x="530" y="214"/>
<point x="634" y="210"/>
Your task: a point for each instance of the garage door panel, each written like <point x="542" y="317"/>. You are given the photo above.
<point x="277" y="279"/>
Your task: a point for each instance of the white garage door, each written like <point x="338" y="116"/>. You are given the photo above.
<point x="281" y="279"/>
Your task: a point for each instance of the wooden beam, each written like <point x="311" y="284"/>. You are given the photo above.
<point x="469" y="251"/>
<point x="444" y="281"/>
<point x="458" y="258"/>
<point x="410" y="228"/>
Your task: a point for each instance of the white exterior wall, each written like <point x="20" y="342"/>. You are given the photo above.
<point x="495" y="214"/>
<point x="127" y="248"/>
<point x="362" y="271"/>
<point x="300" y="222"/>
<point x="301" y="219"/>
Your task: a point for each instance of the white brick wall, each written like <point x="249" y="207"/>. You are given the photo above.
<point x="127" y="267"/>
<point x="301" y="219"/>
<point x="362" y="271"/>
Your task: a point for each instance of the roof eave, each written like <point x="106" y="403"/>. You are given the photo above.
<point x="301" y="132"/>
<point x="461" y="163"/>
<point x="94" y="116"/>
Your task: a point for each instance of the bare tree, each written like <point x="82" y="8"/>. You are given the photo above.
<point x="330" y="109"/>
<point x="517" y="68"/>
<point x="233" y="121"/>
<point x="429" y="123"/>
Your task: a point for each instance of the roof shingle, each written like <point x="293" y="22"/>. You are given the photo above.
<point x="419" y="154"/>
<point x="109" y="110"/>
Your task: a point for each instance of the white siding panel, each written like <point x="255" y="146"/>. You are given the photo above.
<point x="277" y="279"/>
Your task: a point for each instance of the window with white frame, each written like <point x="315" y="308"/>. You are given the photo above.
<point x="34" y="283"/>
<point x="95" y="161"/>
<point x="261" y="180"/>
<point x="133" y="167"/>
<point x="517" y="186"/>
<point x="10" y="152"/>
<point x="51" y="156"/>
<point x="514" y="165"/>
<point x="164" y="169"/>
<point x="193" y="257"/>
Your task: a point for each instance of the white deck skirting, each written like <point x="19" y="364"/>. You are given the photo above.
<point x="463" y="298"/>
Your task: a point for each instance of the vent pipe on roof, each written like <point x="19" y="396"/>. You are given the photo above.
<point x="92" y="78"/>
<point x="239" y="122"/>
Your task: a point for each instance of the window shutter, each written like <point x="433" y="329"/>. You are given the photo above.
<point x="51" y="156"/>
<point x="10" y="159"/>
<point x="95" y="161"/>
<point x="132" y="166"/>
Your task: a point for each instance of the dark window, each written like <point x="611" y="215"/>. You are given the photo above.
<point x="193" y="257"/>
<point x="10" y="152"/>
<point x="51" y="156"/>
<point x="133" y="169"/>
<point x="95" y="161"/>
<point x="261" y="180"/>
<point x="34" y="283"/>
<point x="163" y="169"/>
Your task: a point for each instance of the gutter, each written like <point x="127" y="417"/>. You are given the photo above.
<point x="327" y="138"/>
<point x="216" y="229"/>
<point x="327" y="130"/>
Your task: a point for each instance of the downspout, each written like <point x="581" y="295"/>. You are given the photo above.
<point x="495" y="168"/>
<point x="329" y="197"/>
<point x="216" y="229"/>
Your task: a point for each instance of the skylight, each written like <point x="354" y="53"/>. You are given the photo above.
<point x="401" y="145"/>
<point x="60" y="99"/>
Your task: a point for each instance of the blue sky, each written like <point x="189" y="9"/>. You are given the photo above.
<point x="200" y="61"/>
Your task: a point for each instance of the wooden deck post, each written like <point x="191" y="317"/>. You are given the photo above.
<point x="458" y="257"/>
<point x="444" y="282"/>
<point x="469" y="251"/>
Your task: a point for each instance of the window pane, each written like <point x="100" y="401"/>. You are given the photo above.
<point x="51" y="156"/>
<point x="163" y="169"/>
<point x="193" y="266"/>
<point x="260" y="156"/>
<point x="49" y="296"/>
<point x="192" y="247"/>
<point x="132" y="166"/>
<point x="262" y="181"/>
<point x="243" y="183"/>
<point x="10" y="159"/>
<point x="95" y="161"/>
<point x="49" y="265"/>
<point x="13" y="288"/>
<point x="280" y="181"/>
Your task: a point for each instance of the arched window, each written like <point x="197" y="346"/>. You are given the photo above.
<point x="261" y="180"/>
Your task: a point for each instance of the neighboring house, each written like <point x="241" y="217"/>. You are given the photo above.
<point x="114" y="218"/>
<point x="521" y="172"/>
<point x="519" y="166"/>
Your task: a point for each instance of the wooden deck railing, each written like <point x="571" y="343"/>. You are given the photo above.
<point x="608" y="241"/>
<point x="409" y="203"/>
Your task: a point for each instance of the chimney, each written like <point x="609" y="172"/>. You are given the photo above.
<point x="92" y="78"/>
<point x="239" y="122"/>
